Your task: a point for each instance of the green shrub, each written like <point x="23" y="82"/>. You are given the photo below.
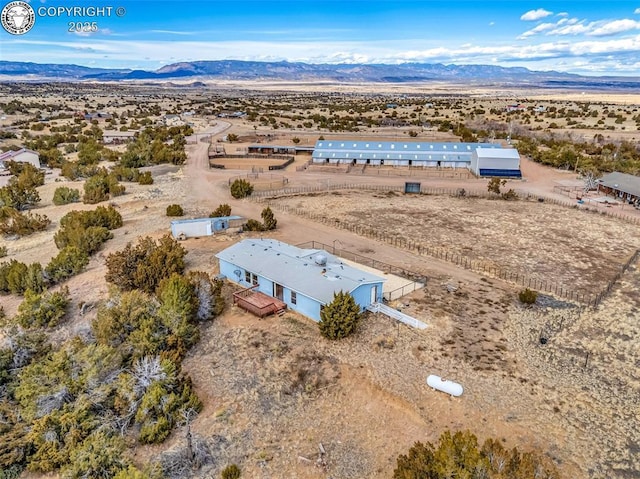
<point x="64" y="196"/>
<point x="101" y="187"/>
<point x="42" y="309"/>
<point x="145" y="178"/>
<point x="527" y="296"/>
<point x="74" y="170"/>
<point x="122" y="173"/>
<point x="221" y="210"/>
<point x="269" y="220"/>
<point x="143" y="266"/>
<point x="3" y="251"/>
<point x="339" y="318"/>
<point x="232" y="471"/>
<point x="459" y="455"/>
<point x="13" y="222"/>
<point x="175" y="210"/>
<point x="253" y="225"/>
<point x="241" y="188"/>
<point x="16" y="277"/>
<point x="26" y="173"/>
<point x="87" y="230"/>
<point x="70" y="261"/>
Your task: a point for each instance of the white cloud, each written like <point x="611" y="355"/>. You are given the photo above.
<point x="537" y="29"/>
<point x="637" y="11"/>
<point x="492" y="24"/>
<point x="613" y="27"/>
<point x="533" y="15"/>
<point x="562" y="14"/>
<point x="597" y="54"/>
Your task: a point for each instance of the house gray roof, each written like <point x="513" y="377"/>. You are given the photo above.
<point x="296" y="268"/>
<point x="397" y="150"/>
<point x="8" y="155"/>
<point x="622" y="182"/>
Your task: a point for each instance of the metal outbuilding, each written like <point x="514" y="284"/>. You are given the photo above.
<point x="496" y="162"/>
<point x="396" y="153"/>
<point x="193" y="228"/>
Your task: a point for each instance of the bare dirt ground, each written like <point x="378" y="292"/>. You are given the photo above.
<point x="274" y="390"/>
<point x="543" y="241"/>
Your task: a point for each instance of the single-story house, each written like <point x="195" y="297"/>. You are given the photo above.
<point x="621" y="185"/>
<point x="116" y="137"/>
<point x="305" y="280"/>
<point x="23" y="156"/>
<point x="492" y="162"/>
<point x="194" y="228"/>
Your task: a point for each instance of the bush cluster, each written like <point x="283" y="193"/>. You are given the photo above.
<point x="459" y="455"/>
<point x="146" y="264"/>
<point x="64" y="195"/>
<point x="175" y="210"/>
<point x="87" y="230"/>
<point x="45" y="309"/>
<point x="528" y="296"/>
<point x="221" y="210"/>
<point x="269" y="222"/>
<point x="101" y="187"/>
<point x="14" y="222"/>
<point x="241" y="188"/>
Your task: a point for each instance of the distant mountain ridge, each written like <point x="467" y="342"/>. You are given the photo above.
<point x="297" y="71"/>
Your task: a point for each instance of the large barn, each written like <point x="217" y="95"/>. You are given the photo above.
<point x="397" y="153"/>
<point x="496" y="162"/>
<point x="23" y="156"/>
<point x="304" y="280"/>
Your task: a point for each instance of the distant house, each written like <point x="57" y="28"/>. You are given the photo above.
<point x="515" y="107"/>
<point x="117" y="137"/>
<point x="22" y="156"/>
<point x="621" y="185"/>
<point x="303" y="280"/>
<point x="98" y="115"/>
<point x="194" y="228"/>
<point x="496" y="162"/>
<point x="232" y="114"/>
<point x="173" y="120"/>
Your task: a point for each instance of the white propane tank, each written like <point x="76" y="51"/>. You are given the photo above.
<point x="444" y="385"/>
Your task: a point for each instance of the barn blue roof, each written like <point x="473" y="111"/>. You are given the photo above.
<point x="397" y="150"/>
<point x="296" y="268"/>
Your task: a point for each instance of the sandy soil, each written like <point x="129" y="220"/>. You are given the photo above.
<point x="274" y="390"/>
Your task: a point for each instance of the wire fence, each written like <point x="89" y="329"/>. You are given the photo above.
<point x="592" y="298"/>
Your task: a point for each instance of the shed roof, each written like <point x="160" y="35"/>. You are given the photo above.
<point x="622" y="182"/>
<point x="8" y="155"/>
<point x="397" y="150"/>
<point x="498" y="153"/>
<point x="204" y="220"/>
<point x="297" y="268"/>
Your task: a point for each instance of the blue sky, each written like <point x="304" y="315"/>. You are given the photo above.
<point x="587" y="37"/>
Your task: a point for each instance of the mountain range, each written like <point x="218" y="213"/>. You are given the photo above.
<point x="296" y="71"/>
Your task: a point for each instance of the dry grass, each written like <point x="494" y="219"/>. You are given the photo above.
<point x="550" y="243"/>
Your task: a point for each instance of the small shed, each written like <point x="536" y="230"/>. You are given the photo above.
<point x="411" y="187"/>
<point x="193" y="228"/>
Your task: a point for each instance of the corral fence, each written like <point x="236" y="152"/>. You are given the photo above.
<point x="417" y="280"/>
<point x="590" y="298"/>
<point x="261" y="181"/>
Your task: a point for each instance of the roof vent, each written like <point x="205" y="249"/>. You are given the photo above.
<point x="320" y="259"/>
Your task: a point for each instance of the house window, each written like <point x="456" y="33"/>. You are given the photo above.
<point x="294" y="297"/>
<point x="247" y="277"/>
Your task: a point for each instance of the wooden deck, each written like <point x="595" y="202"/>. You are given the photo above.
<point x="258" y="303"/>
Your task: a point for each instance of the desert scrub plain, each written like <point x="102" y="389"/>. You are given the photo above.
<point x="578" y="249"/>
